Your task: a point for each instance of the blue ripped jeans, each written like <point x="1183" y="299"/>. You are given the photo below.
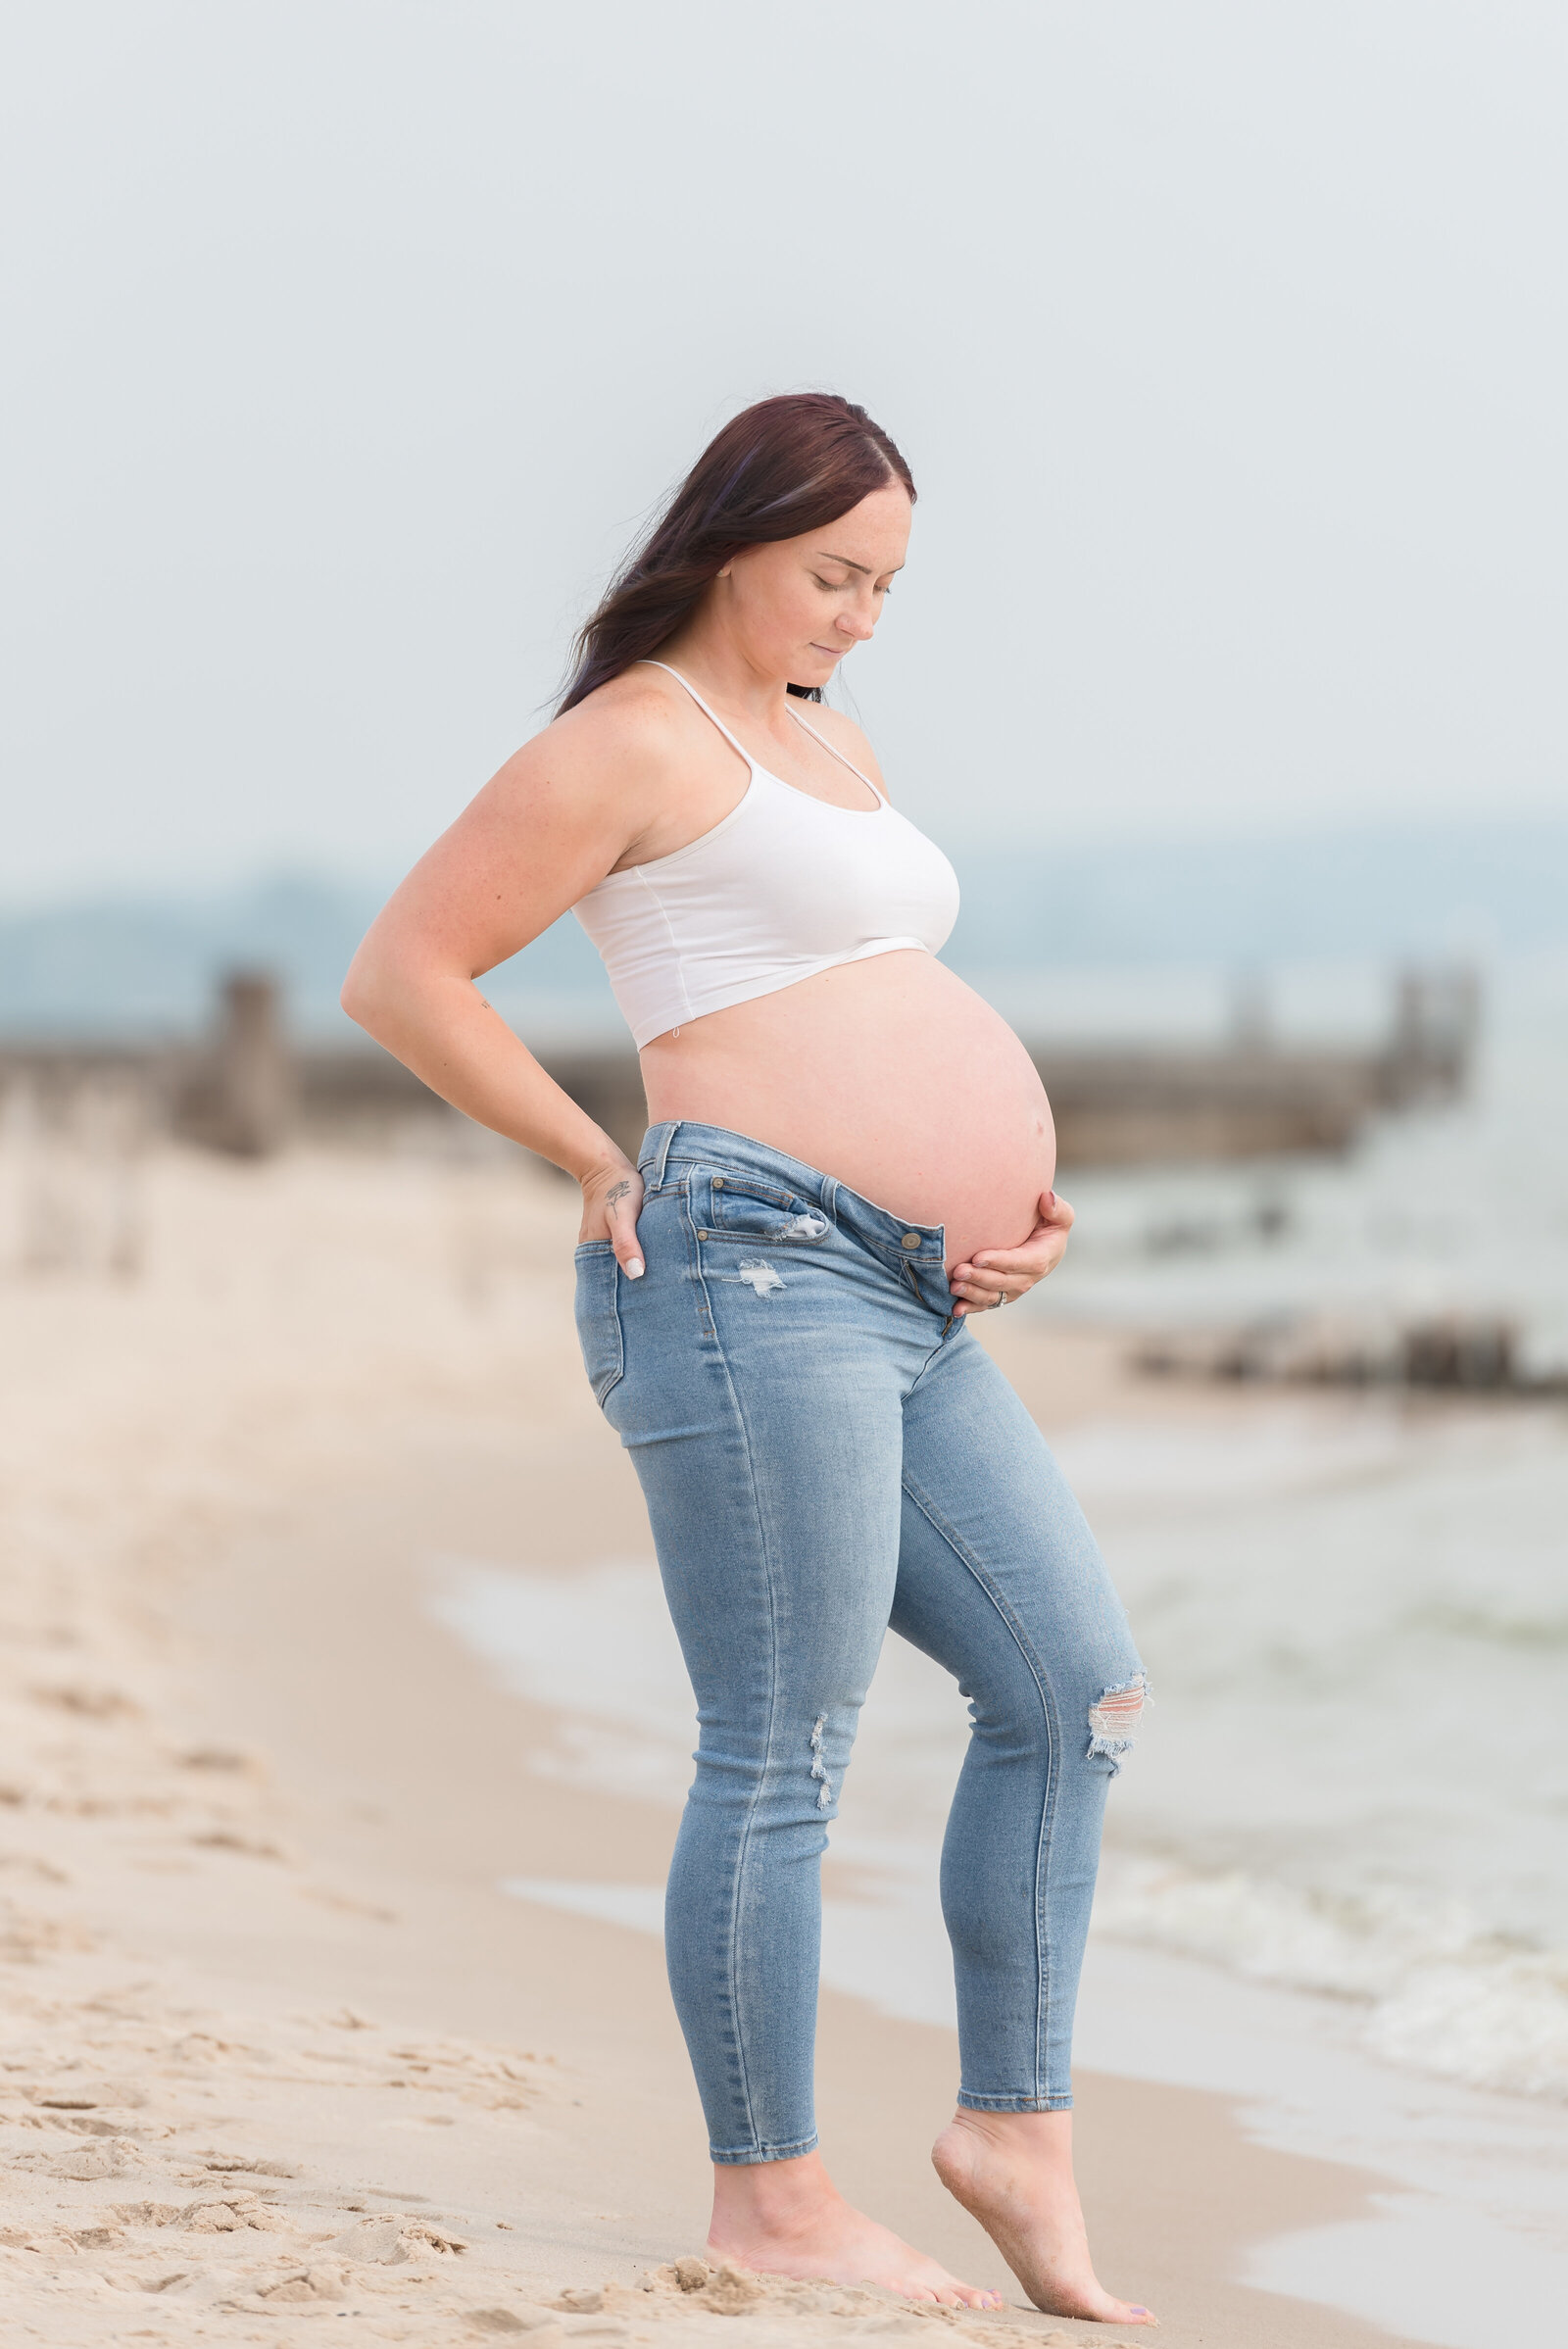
<point x="825" y="1451"/>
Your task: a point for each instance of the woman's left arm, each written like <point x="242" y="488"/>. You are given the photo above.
<point x="997" y="1276"/>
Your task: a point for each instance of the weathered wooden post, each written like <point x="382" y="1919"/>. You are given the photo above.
<point x="1437" y="1020"/>
<point x="250" y="1096"/>
<point x="1249" y="1011"/>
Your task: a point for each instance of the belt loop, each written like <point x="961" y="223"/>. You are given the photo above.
<point x="667" y="1135"/>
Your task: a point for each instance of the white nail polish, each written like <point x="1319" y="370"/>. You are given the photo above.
<point x="634" y="1270"/>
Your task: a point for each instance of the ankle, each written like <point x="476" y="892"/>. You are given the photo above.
<point x="1042" y="2140"/>
<point x="775" y="2198"/>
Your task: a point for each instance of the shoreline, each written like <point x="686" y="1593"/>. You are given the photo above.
<point x="278" y="2040"/>
<point x="597" y="1989"/>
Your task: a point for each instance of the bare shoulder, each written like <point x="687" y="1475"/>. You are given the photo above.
<point x="844" y="736"/>
<point x="594" y="778"/>
<point x="631" y="726"/>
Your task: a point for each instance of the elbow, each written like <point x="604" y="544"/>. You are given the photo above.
<point x="363" y="993"/>
<point x="395" y="996"/>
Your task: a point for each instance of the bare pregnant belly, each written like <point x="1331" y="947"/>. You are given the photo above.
<point x="892" y="1075"/>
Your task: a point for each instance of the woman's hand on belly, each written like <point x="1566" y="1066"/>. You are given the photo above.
<point x="997" y="1276"/>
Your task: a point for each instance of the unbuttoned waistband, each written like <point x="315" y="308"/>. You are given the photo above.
<point x="678" y="1143"/>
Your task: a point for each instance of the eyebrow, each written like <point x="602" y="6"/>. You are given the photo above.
<point x="863" y="569"/>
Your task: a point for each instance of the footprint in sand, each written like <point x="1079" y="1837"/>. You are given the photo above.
<point x="305" y="2284"/>
<point x="250" y="1847"/>
<point x="87" y="2095"/>
<point x="89" y="1703"/>
<point x="106" y="2157"/>
<point x="535" y="2322"/>
<point x="390" y="2241"/>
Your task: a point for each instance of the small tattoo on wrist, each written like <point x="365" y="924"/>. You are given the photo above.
<point x="616" y="1191"/>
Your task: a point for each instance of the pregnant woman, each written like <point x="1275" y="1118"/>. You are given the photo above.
<point x="849" y="1154"/>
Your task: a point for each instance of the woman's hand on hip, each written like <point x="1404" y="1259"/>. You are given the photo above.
<point x="997" y="1276"/>
<point x="611" y="1201"/>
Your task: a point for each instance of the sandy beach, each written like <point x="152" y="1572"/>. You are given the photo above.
<point x="278" y="2049"/>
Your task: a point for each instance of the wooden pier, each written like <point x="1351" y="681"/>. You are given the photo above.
<point x="248" y="1090"/>
<point x="1251" y="1099"/>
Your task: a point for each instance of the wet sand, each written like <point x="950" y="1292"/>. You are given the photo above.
<point x="277" y="2047"/>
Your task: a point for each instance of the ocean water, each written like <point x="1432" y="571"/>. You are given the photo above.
<point x="1335" y="1869"/>
<point x="1366" y="1608"/>
<point x="1353" y="1780"/>
<point x="1446" y="1210"/>
<point x="1243" y="1939"/>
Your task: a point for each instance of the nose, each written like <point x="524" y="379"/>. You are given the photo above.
<point x="858" y="626"/>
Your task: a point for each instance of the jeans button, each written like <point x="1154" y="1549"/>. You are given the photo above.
<point x="912" y="1240"/>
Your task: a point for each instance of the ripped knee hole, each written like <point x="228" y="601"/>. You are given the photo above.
<point x="1114" y="1718"/>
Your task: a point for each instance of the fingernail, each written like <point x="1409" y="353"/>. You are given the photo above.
<point x="634" y="1269"/>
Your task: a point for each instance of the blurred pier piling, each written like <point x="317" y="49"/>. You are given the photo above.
<point x="1251" y="1096"/>
<point x="1475" y="1353"/>
<point x="242" y="1096"/>
<point x="247" y="1089"/>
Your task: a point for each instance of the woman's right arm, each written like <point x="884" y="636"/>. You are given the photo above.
<point x="538" y="837"/>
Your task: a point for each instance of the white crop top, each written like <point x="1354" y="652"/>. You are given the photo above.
<point x="782" y="887"/>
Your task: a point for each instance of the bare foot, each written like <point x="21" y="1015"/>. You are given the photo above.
<point x="789" y="2218"/>
<point x="1013" y="2172"/>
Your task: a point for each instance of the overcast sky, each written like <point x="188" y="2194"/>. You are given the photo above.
<point x="351" y="340"/>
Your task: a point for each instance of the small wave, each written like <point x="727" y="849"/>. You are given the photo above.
<point x="1490" y="1623"/>
<point x="1443" y="1996"/>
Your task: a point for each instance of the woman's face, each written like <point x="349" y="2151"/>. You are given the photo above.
<point x="800" y="605"/>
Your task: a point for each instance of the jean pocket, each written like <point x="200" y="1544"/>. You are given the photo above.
<point x="597" y="1315"/>
<point x="740" y="1208"/>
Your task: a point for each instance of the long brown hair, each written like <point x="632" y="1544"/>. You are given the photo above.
<point x="787" y="465"/>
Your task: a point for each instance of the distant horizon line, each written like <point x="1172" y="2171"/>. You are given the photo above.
<point x="288" y="873"/>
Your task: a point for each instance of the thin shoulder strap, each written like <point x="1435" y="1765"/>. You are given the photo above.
<point x="703" y="706"/>
<point x="835" y="752"/>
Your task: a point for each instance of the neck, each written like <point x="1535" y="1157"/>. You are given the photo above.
<point x="724" y="671"/>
